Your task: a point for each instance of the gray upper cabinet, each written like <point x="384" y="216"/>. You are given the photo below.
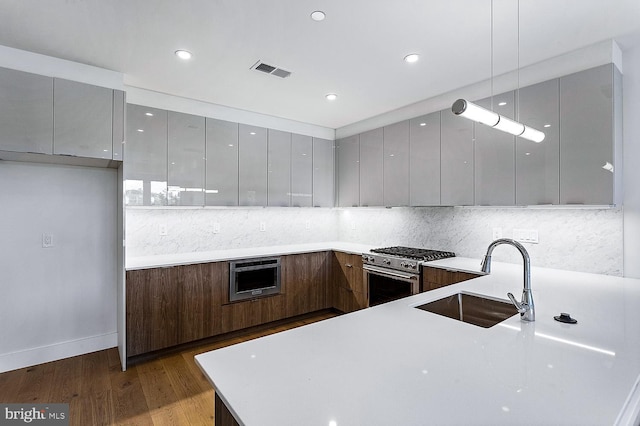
<point x="537" y="164"/>
<point x="83" y="122"/>
<point x="301" y="171"/>
<point x="145" y="169"/>
<point x="456" y="166"/>
<point x="396" y="164"/>
<point x="26" y="112"/>
<point x="590" y="136"/>
<point x="119" y="102"/>
<point x="424" y="167"/>
<point x="323" y="175"/>
<point x="186" y="144"/>
<point x="348" y="158"/>
<point x="279" y="168"/>
<point x="495" y="156"/>
<point x="371" y="168"/>
<point x="221" y="187"/>
<point x="252" y="173"/>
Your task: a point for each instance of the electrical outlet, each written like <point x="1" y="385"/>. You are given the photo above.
<point x="353" y="226"/>
<point x="497" y="233"/>
<point x="307" y="224"/>
<point x="263" y="226"/>
<point x="47" y="240"/>
<point x="526" y="235"/>
<point x="216" y="227"/>
<point x="162" y="229"/>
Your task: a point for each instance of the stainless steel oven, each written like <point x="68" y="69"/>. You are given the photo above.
<point x="385" y="285"/>
<point x="392" y="273"/>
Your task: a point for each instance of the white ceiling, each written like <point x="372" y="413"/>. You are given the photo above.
<point x="356" y="52"/>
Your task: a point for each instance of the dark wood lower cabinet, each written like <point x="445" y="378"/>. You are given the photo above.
<point x="348" y="288"/>
<point x="305" y="282"/>
<point x="170" y="306"/>
<point x="152" y="307"/>
<point x="223" y="416"/>
<point x="200" y="295"/>
<point x="433" y="278"/>
<point x="239" y="315"/>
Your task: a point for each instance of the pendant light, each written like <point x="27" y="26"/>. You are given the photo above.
<point x="469" y="110"/>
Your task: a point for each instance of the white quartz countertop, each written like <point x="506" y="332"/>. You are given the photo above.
<point x="167" y="260"/>
<point x="396" y="365"/>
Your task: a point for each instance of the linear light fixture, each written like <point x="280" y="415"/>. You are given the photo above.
<point x="469" y="110"/>
<point x="476" y="113"/>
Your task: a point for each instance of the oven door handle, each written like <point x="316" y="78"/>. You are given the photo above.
<point x="392" y="274"/>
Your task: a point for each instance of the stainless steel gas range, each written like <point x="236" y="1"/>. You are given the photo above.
<point x="392" y="273"/>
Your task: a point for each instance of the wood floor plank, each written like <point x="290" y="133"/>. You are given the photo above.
<point x="170" y="390"/>
<point x="164" y="404"/>
<point x="10" y="383"/>
<point x="37" y="384"/>
<point x="195" y="397"/>
<point x="67" y="379"/>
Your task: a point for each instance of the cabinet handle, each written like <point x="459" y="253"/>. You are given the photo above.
<point x="348" y="265"/>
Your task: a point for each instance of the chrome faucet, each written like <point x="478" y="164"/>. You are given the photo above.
<point x="524" y="307"/>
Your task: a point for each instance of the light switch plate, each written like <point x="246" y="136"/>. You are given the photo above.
<point x="47" y="240"/>
<point x="162" y="229"/>
<point x="216" y="227"/>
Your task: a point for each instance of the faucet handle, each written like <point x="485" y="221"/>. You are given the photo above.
<point x="521" y="307"/>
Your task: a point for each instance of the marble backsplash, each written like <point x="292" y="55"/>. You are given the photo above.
<point x="193" y="229"/>
<point x="587" y="240"/>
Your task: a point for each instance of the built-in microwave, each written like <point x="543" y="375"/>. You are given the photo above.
<point x="251" y="278"/>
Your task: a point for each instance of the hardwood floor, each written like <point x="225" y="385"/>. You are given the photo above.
<point x="167" y="390"/>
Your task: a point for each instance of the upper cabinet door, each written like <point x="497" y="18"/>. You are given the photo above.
<point x="495" y="156"/>
<point x="588" y="144"/>
<point x="26" y="112"/>
<point x="348" y="157"/>
<point x="145" y="168"/>
<point x="456" y="168"/>
<point x="424" y="167"/>
<point x="83" y="122"/>
<point x="279" y="168"/>
<point x="119" y="102"/>
<point x="301" y="171"/>
<point x="186" y="144"/>
<point x="323" y="176"/>
<point x="222" y="163"/>
<point x="537" y="164"/>
<point x="252" y="179"/>
<point x="371" y="168"/>
<point x="396" y="164"/>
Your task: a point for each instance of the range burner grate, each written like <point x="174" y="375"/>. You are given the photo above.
<point x="414" y="253"/>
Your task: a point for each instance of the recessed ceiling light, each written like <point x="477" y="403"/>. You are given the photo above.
<point x="502" y="103"/>
<point x="318" y="15"/>
<point x="183" y="54"/>
<point x="252" y="133"/>
<point x="141" y="130"/>
<point x="547" y="125"/>
<point x="423" y="124"/>
<point x="331" y="97"/>
<point x="148" y="114"/>
<point x="411" y="58"/>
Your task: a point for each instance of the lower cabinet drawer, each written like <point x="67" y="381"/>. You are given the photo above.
<point x="236" y="316"/>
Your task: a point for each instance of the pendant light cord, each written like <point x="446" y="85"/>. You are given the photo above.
<point x="491" y="54"/>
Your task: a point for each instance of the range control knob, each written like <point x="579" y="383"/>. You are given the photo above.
<point x="386" y="261"/>
<point x="403" y="264"/>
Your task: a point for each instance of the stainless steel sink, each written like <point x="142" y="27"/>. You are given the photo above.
<point x="475" y="309"/>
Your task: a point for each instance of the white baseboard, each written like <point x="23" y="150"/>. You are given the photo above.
<point x="40" y="355"/>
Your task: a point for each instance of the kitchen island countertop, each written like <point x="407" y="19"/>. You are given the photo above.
<point x="394" y="364"/>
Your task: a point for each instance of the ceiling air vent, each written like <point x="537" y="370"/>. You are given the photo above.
<point x="270" y="69"/>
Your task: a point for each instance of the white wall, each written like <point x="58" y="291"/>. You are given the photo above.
<point x="60" y="301"/>
<point x="631" y="151"/>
